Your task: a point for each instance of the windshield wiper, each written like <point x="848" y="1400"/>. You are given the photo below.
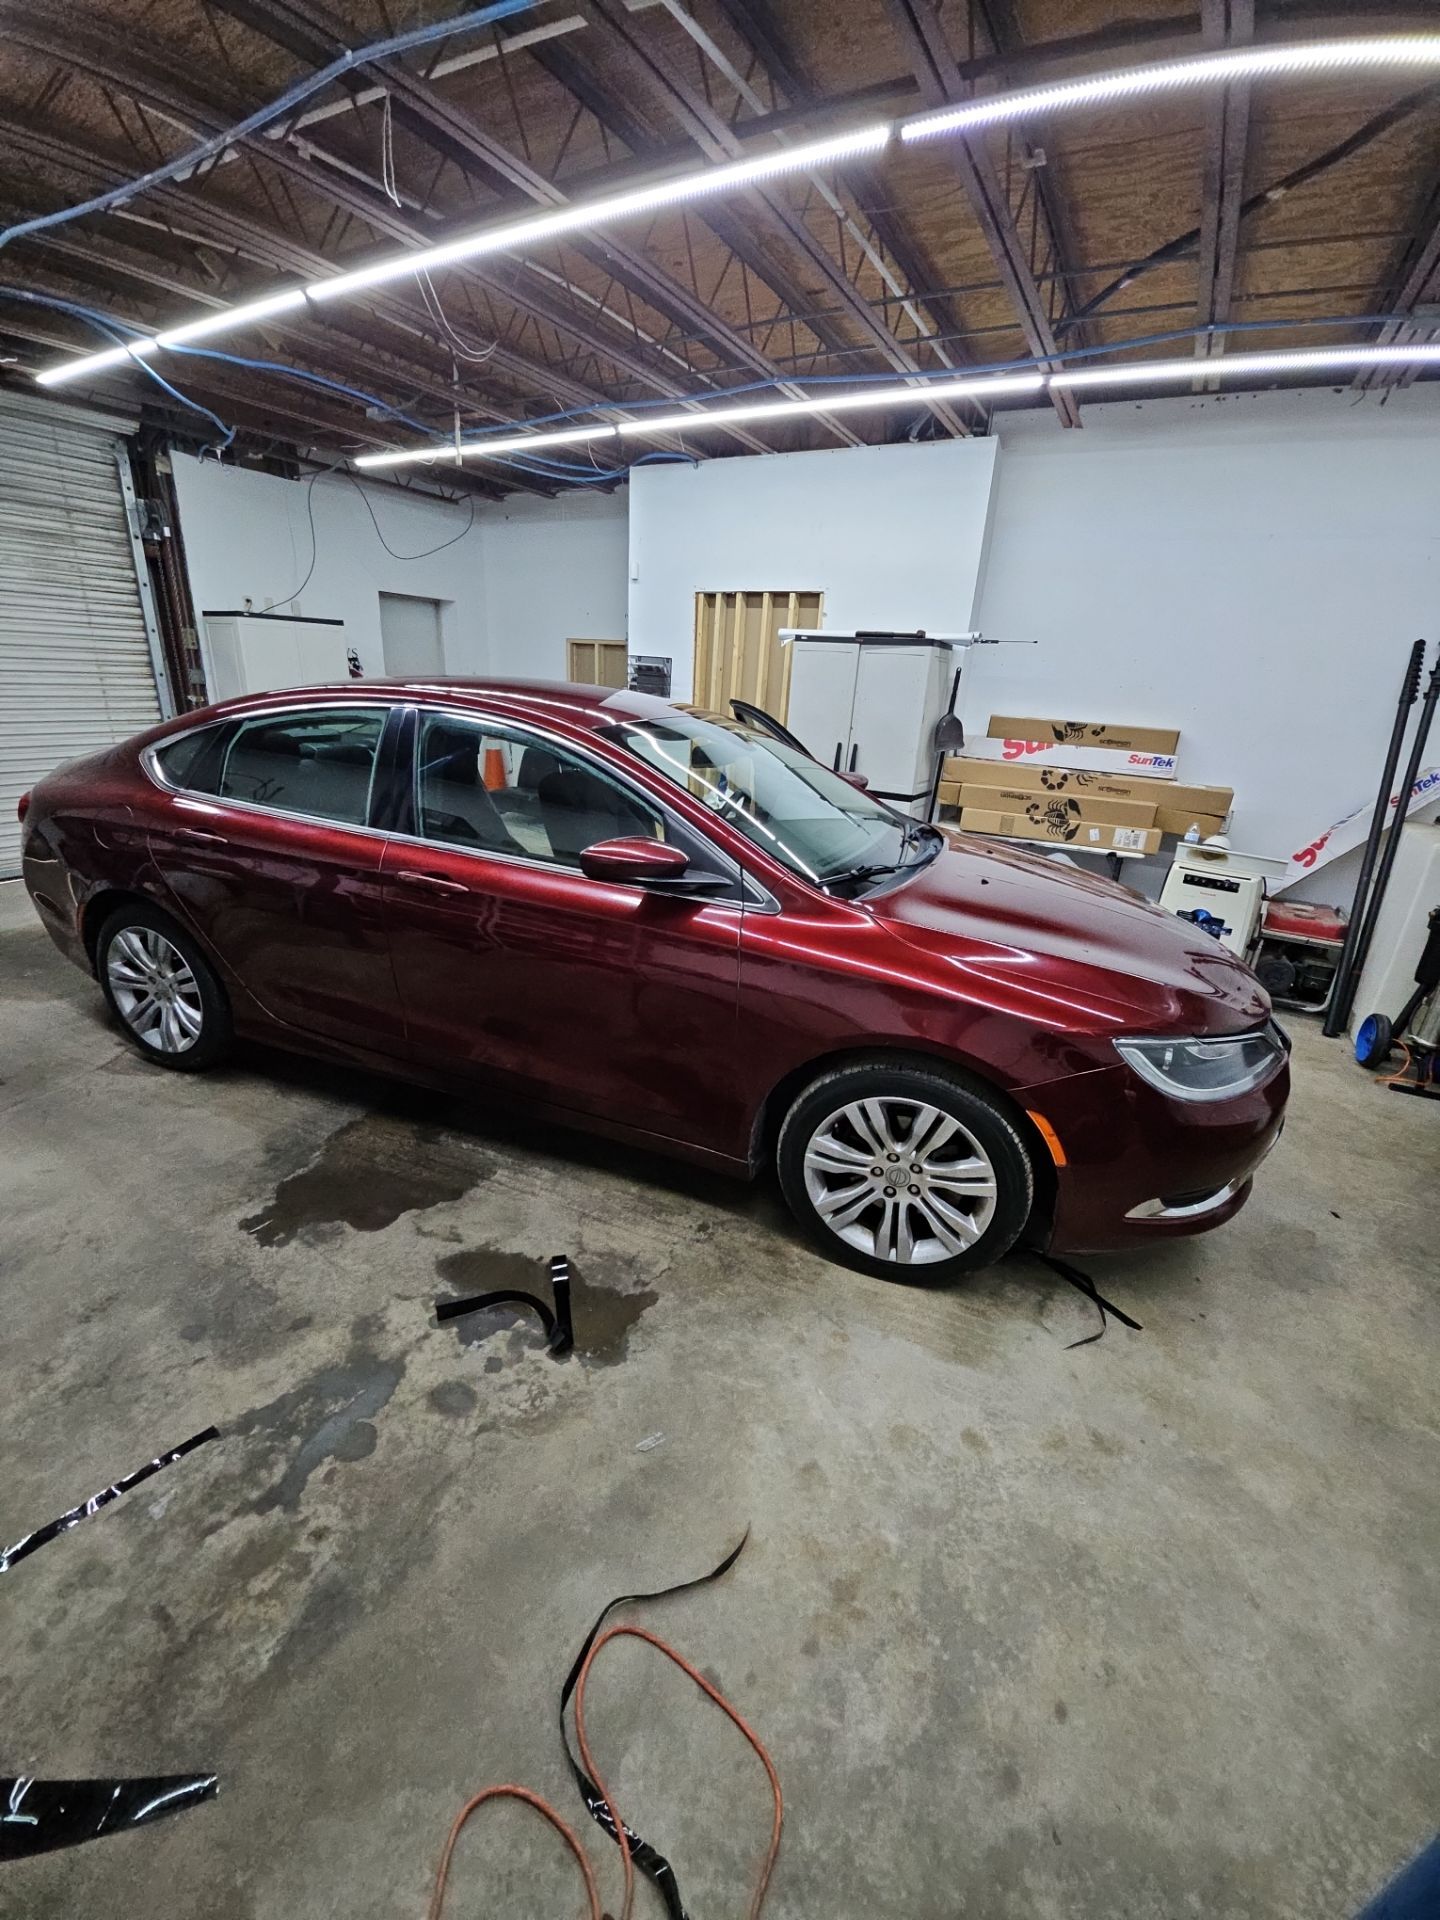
<point x="853" y="875"/>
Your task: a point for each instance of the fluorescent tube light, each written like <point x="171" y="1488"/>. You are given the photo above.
<point x="980" y="388"/>
<point x="222" y="320"/>
<point x="69" y="370"/>
<point x="932" y="393"/>
<point x="1374" y="53"/>
<point x="226" y="317"/>
<point x="1130" y="373"/>
<point x="471" y="449"/>
<point x="1174" y="76"/>
<point x="521" y="234"/>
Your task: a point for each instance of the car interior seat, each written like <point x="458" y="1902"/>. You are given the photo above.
<point x="455" y="804"/>
<point x="579" y="808"/>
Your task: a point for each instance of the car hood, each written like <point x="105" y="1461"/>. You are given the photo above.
<point x="1028" y="931"/>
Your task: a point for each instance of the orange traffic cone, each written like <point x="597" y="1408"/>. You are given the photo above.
<point x="494" y="767"/>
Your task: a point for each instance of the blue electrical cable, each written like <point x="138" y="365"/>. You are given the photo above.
<point x="118" y="331"/>
<point x="263" y="116"/>
<point x="1028" y="365"/>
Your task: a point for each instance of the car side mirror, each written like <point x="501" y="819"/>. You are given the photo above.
<point x="634" y="862"/>
<point x="859" y="780"/>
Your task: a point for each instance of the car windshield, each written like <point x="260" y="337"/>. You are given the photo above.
<point x="802" y="813"/>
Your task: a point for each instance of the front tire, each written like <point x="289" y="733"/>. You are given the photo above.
<point x="906" y="1173"/>
<point x="162" y="990"/>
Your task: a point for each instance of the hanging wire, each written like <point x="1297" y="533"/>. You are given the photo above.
<point x="264" y="116"/>
<point x="464" y="349"/>
<point x="387" y="151"/>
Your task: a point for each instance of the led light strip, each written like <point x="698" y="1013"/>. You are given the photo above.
<point x="981" y="388"/>
<point x="1218" y="69"/>
<point x="1176" y="76"/>
<point x="1238" y="365"/>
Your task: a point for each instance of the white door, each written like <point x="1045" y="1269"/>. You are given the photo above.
<point x="896" y="689"/>
<point x="410" y="637"/>
<point x="77" y="658"/>
<point x="822" y="697"/>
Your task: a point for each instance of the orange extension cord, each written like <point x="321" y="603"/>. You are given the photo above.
<point x="640" y="1633"/>
<point x="542" y="1807"/>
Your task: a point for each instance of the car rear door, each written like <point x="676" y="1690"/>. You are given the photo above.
<point x="610" y="1001"/>
<point x="263" y="839"/>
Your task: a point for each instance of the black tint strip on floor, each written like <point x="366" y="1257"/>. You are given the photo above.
<point x="52" y="1529"/>
<point x="37" y="1816"/>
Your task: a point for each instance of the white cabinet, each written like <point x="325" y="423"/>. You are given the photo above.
<point x="260" y="652"/>
<point x="869" y="704"/>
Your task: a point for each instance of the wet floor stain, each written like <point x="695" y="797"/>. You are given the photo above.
<point x="365" y="1176"/>
<point x="603" y="1314"/>
<point x="453" y="1397"/>
<point x="332" y="1413"/>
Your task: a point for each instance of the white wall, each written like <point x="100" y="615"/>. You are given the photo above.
<point x="527" y="576"/>
<point x="892" y="536"/>
<point x="554" y="571"/>
<point x="1252" y="568"/>
<point x="247" y="537"/>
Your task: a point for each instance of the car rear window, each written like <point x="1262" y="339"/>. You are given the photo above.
<point x="191" y="761"/>
<point x="317" y="763"/>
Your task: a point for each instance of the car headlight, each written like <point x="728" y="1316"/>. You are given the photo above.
<point x="1207" y="1069"/>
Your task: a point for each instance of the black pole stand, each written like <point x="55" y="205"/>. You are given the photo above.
<point x="1344" y="990"/>
<point x="1392" y="843"/>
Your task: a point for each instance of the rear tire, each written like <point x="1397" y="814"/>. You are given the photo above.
<point x="906" y="1173"/>
<point x="162" y="990"/>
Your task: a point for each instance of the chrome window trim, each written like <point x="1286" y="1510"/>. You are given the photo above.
<point x="757" y="897"/>
<point x="150" y="762"/>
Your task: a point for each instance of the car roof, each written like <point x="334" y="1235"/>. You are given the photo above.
<point x="537" y="700"/>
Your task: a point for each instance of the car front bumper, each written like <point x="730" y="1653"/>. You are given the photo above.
<point x="1139" y="1166"/>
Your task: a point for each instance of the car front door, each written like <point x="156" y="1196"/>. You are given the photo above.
<point x="260" y="833"/>
<point x="608" y="1000"/>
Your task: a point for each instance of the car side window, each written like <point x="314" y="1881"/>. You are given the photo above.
<point x="319" y="763"/>
<point x="494" y="791"/>
<point x="193" y="761"/>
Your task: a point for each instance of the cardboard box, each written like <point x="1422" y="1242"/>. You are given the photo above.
<point x="1113" y="734"/>
<point x="1058" y="824"/>
<point x="1179" y="820"/>
<point x="1152" y="766"/>
<point x="962" y="770"/>
<point x="1113" y="813"/>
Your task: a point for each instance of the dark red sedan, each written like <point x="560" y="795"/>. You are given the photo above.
<point x="678" y="930"/>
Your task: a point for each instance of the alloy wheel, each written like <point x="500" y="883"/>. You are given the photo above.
<point x="900" y="1180"/>
<point x="155" y="991"/>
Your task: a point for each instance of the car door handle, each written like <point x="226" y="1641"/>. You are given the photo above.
<point x="202" y="839"/>
<point x="430" y="880"/>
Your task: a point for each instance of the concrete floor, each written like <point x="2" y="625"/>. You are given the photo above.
<point x="1143" y="1629"/>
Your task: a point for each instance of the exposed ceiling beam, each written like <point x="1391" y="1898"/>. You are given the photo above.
<point x="760" y="28"/>
<point x="1048" y="181"/>
<point x="718" y="141"/>
<point x="447" y="130"/>
<point x="1412" y="287"/>
<point x="213" y="224"/>
<point x="137" y="71"/>
<point x="941" y="84"/>
<point x="246" y="402"/>
<point x="1227" y="23"/>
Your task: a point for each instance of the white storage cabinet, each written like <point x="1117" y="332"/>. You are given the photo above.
<point x="262" y="652"/>
<point x="869" y="704"/>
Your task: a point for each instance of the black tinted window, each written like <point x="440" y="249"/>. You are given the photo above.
<point x="483" y="787"/>
<point x="192" y="761"/>
<point x="318" y="763"/>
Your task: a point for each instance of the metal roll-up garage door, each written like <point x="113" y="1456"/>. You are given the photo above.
<point x="77" y="653"/>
